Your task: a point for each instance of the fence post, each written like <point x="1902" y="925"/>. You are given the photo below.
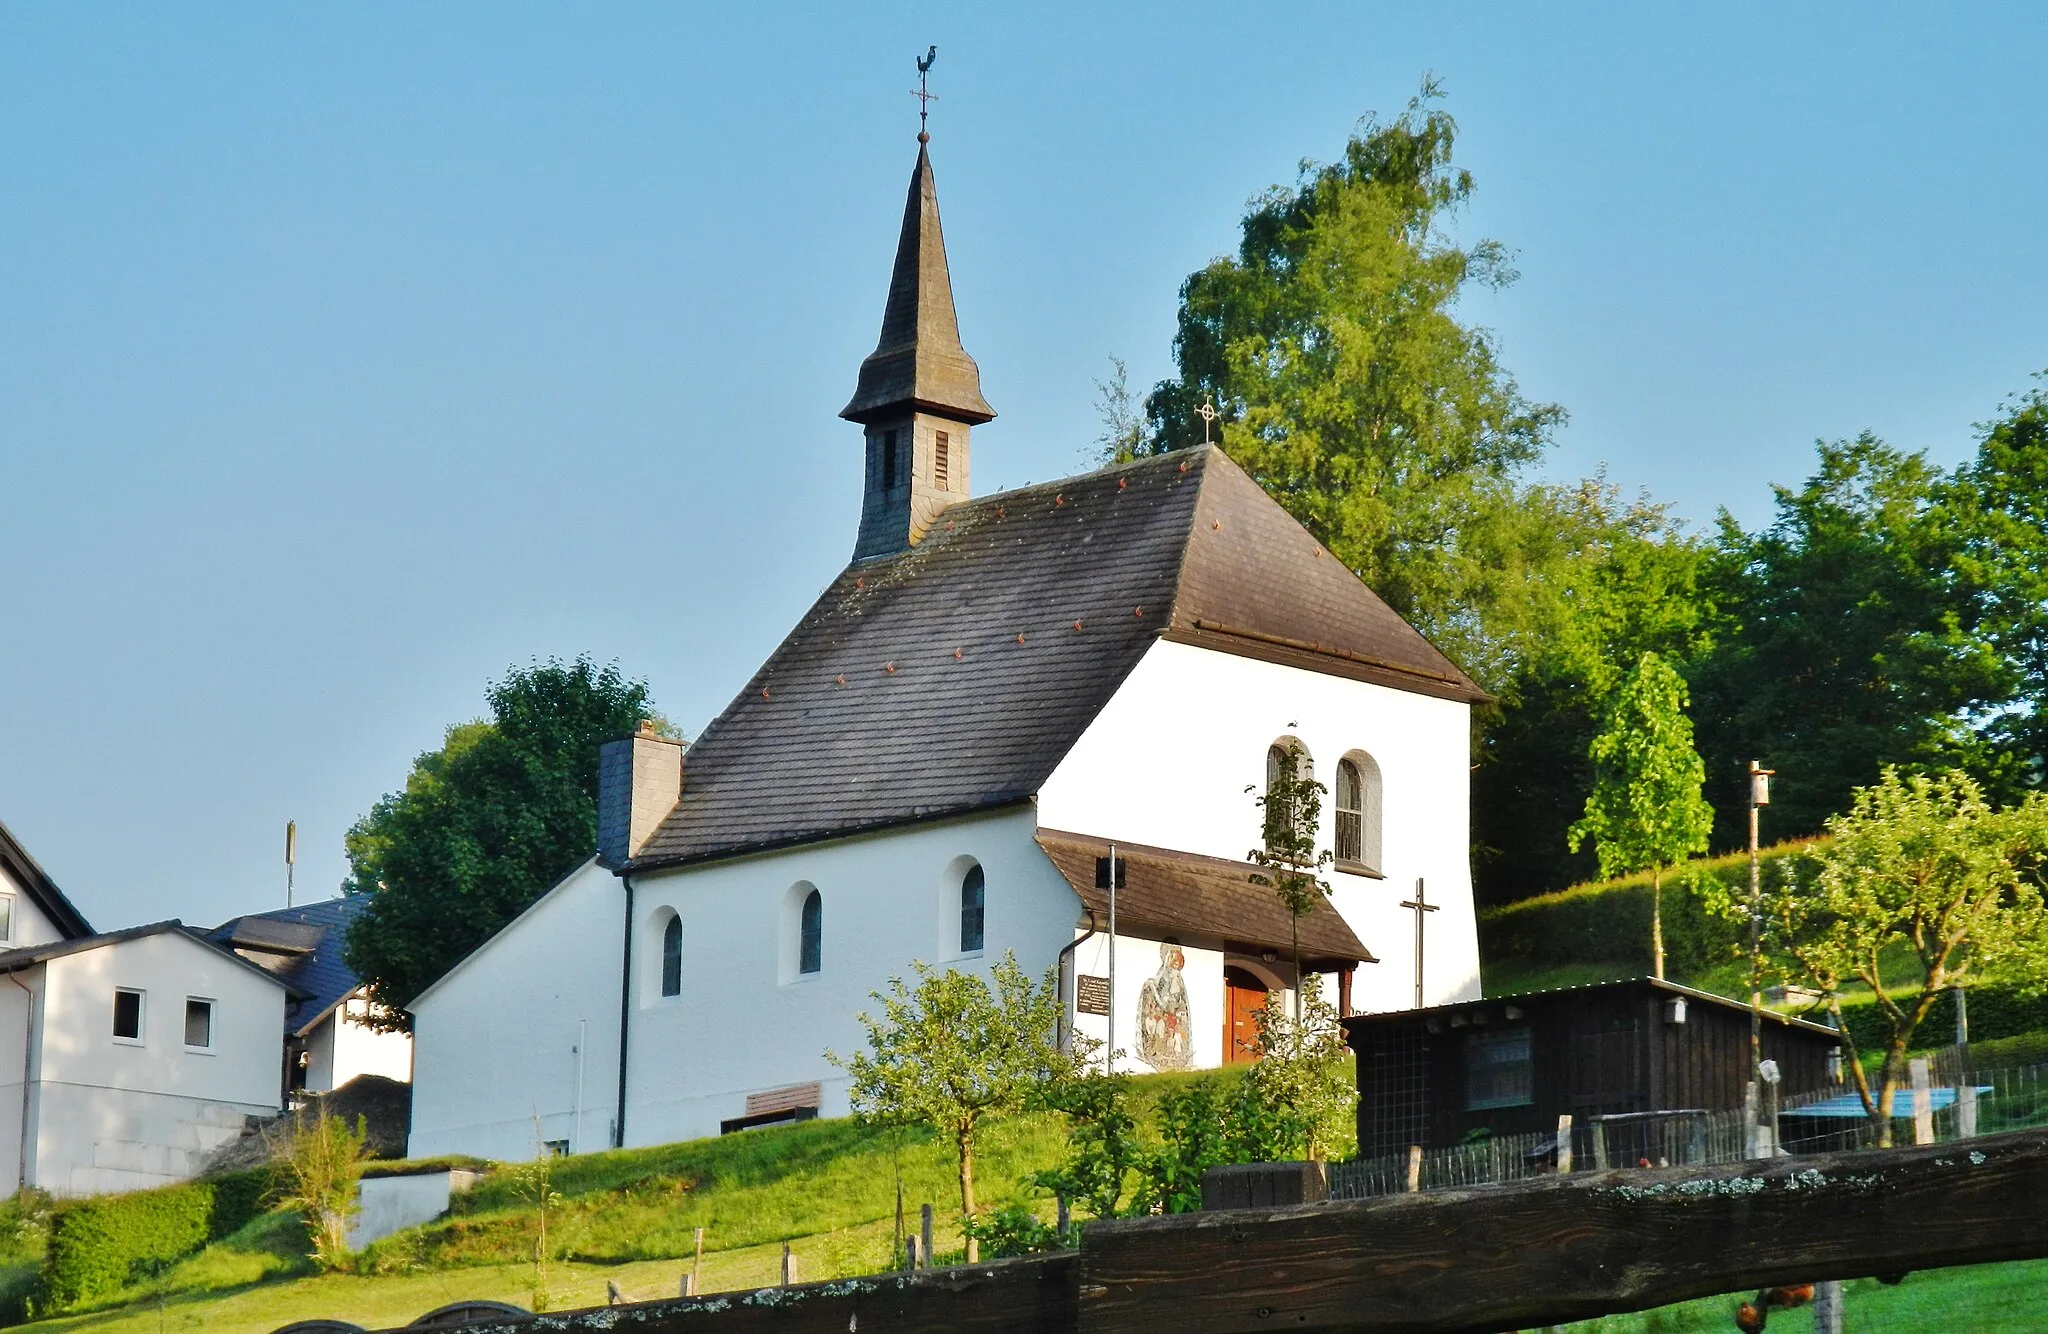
<point x="697" y="1265"/>
<point x="1827" y="1307"/>
<point x="1599" y="1145"/>
<point x="924" y="1233"/>
<point x="910" y="1254"/>
<point x="1923" y="1103"/>
<point x="788" y="1266"/>
<point x="1064" y="1218"/>
<point x="1414" y="1168"/>
<point x="1966" y="1106"/>
<point x="1564" y="1144"/>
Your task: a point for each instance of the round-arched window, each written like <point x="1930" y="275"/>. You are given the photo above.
<point x="810" y="938"/>
<point x="973" y="903"/>
<point x="672" y="957"/>
<point x="1358" y="811"/>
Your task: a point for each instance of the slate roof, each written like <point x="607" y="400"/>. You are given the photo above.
<point x="36" y="883"/>
<point x="953" y="676"/>
<point x="1210" y="896"/>
<point x="302" y="947"/>
<point x="918" y="361"/>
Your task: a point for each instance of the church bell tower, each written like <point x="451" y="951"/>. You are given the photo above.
<point x="920" y="393"/>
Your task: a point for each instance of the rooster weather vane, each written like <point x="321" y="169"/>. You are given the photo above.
<point x="924" y="95"/>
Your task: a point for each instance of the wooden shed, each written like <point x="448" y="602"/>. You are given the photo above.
<point x="1514" y="1064"/>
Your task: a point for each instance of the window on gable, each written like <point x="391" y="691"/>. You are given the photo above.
<point x="672" y="957"/>
<point x="1358" y="811"/>
<point x="127" y="1014"/>
<point x="941" y="447"/>
<point x="198" y="1022"/>
<point x="1499" y="1071"/>
<point x="973" y="900"/>
<point x="810" y="941"/>
<point x="6" y="917"/>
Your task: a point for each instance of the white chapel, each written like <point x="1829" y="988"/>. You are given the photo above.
<point x="996" y="701"/>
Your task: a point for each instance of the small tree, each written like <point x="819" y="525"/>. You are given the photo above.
<point x="321" y="1162"/>
<point x="1645" y="812"/>
<point x="1926" y="862"/>
<point x="1302" y="1080"/>
<point x="949" y="1053"/>
<point x="534" y="1183"/>
<point x="1290" y="813"/>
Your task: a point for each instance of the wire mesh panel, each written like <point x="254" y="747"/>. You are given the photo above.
<point x="1393" y="1086"/>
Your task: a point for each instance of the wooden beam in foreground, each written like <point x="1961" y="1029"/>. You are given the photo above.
<point x="1568" y="1248"/>
<point x="1489" y="1258"/>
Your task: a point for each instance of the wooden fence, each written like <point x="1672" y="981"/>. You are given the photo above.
<point x="1498" y="1257"/>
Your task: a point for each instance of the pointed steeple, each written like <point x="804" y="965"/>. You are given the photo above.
<point x="918" y="364"/>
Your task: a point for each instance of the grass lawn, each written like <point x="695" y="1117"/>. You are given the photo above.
<point x="1983" y="1299"/>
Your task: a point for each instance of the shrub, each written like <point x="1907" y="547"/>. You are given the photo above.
<point x="99" y="1246"/>
<point x="320" y="1161"/>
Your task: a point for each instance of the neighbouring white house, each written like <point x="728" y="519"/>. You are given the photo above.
<point x="330" y="1036"/>
<point x="126" y="1057"/>
<point x="1004" y="711"/>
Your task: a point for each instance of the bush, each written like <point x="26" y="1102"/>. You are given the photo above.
<point x="1609" y="922"/>
<point x="1996" y="1013"/>
<point x="99" y="1246"/>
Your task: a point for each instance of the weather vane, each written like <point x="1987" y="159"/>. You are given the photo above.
<point x="1208" y="413"/>
<point x="924" y="95"/>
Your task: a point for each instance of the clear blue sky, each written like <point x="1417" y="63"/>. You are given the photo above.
<point x="352" y="352"/>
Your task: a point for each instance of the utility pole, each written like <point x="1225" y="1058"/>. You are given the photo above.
<point x="1759" y="797"/>
<point x="1109" y="1051"/>
<point x="291" y="855"/>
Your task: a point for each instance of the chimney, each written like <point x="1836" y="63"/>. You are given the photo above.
<point x="639" y="780"/>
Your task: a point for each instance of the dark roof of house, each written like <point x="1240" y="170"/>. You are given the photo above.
<point x="36" y="883"/>
<point x="1589" y="988"/>
<point x="1208" y="896"/>
<point x="13" y="961"/>
<point x="953" y="676"/>
<point x="302" y="946"/>
<point x="918" y="361"/>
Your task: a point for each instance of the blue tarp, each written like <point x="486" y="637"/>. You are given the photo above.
<point x="1849" y="1105"/>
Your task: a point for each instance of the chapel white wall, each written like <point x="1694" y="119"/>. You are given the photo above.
<point x="744" y="1023"/>
<point x="112" y="1115"/>
<point x="1168" y="760"/>
<point x="495" y="1041"/>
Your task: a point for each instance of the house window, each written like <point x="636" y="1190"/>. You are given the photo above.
<point x="1286" y="758"/>
<point x="941" y="447"/>
<point x="1498" y="1071"/>
<point x="888" y="460"/>
<point x="672" y="957"/>
<point x="973" y="897"/>
<point x="1358" y="811"/>
<point x="554" y="1148"/>
<point x="6" y="917"/>
<point x="198" y="1022"/>
<point x="810" y="938"/>
<point x="127" y="1014"/>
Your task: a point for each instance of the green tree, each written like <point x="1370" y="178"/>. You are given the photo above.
<point x="1123" y="424"/>
<point x="1850" y="642"/>
<point x="1645" y="812"/>
<point x="1302" y="1084"/>
<point x="319" y="1162"/>
<point x="483" y="826"/>
<point x="1290" y="813"/>
<point x="1349" y="388"/>
<point x="951" y="1053"/>
<point x="1922" y="862"/>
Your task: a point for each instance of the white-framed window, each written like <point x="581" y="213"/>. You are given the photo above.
<point x="198" y="1023"/>
<point x="672" y="957"/>
<point x="810" y="938"/>
<point x="973" y="910"/>
<point x="1499" y="1070"/>
<point x="128" y="1014"/>
<point x="6" y="919"/>
<point x="1358" y="813"/>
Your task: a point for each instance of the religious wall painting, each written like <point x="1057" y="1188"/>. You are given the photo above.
<point x="1165" y="1035"/>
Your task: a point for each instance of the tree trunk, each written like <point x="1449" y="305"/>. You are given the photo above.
<point x="965" y="1141"/>
<point x="1657" y="922"/>
<point x="1294" y="925"/>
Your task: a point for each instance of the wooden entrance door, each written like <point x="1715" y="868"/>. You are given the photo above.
<point x="1243" y="996"/>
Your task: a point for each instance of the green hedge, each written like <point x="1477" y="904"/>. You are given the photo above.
<point x="99" y="1246"/>
<point x="1996" y="1012"/>
<point x="1609" y="922"/>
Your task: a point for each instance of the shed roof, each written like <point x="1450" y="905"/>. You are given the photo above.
<point x="955" y="675"/>
<point x="1210" y="896"/>
<point x="1564" y="993"/>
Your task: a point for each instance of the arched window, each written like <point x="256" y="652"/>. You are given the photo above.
<point x="973" y="899"/>
<point x="672" y="957"/>
<point x="1287" y="758"/>
<point x="810" y="936"/>
<point x="1358" y="811"/>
